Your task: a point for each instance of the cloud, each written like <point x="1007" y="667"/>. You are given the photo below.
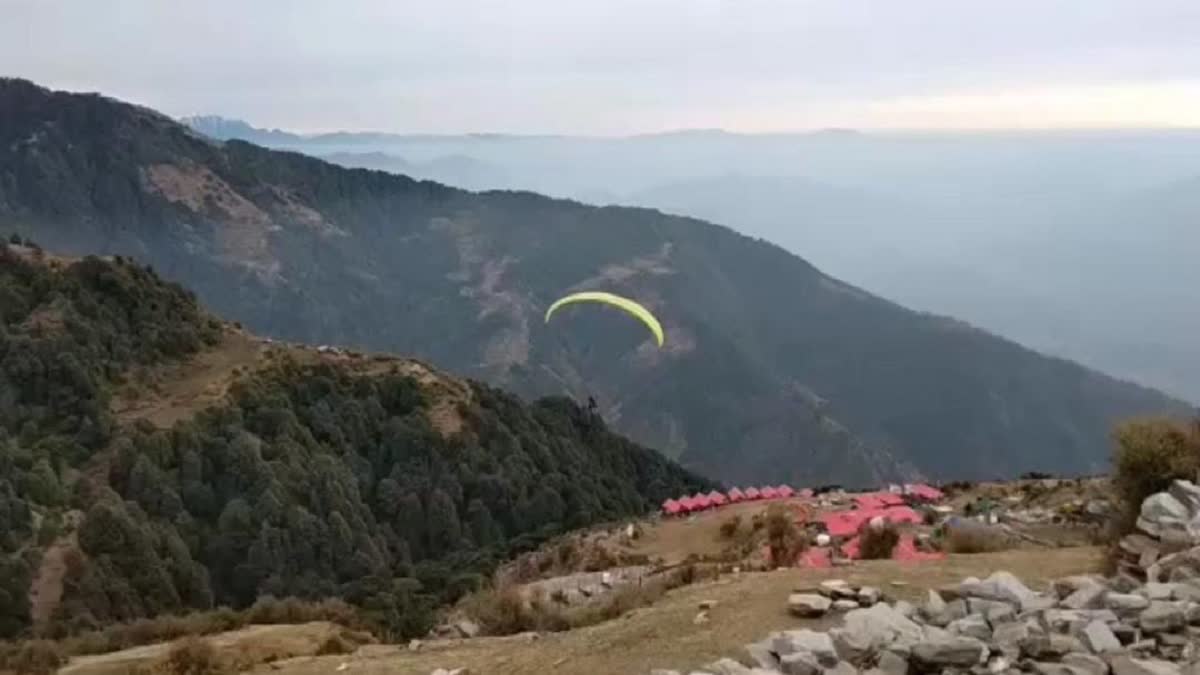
<point x="604" y="67"/>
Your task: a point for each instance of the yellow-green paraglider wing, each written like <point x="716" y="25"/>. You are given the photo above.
<point x="626" y="304"/>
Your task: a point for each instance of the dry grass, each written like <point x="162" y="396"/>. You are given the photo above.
<point x="748" y="606"/>
<point x="35" y="657"/>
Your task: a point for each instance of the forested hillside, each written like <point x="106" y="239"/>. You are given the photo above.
<point x="312" y="478"/>
<point x="772" y="372"/>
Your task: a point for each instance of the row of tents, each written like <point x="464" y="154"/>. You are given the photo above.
<point x="701" y="501"/>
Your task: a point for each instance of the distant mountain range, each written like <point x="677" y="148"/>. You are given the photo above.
<point x="773" y="371"/>
<point x="1069" y="242"/>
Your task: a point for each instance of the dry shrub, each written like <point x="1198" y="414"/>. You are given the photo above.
<point x="335" y="644"/>
<point x="195" y="656"/>
<point x="784" y="538"/>
<point x="877" y="543"/>
<point x="271" y="610"/>
<point x="35" y="657"/>
<point x="730" y="527"/>
<point x="1150" y="454"/>
<point x="505" y="611"/>
<point x="974" y="539"/>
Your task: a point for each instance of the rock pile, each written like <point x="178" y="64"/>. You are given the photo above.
<point x="1165" y="545"/>
<point x="833" y="594"/>
<point x="1082" y="625"/>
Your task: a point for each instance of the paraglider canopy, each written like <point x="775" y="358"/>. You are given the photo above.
<point x="640" y="312"/>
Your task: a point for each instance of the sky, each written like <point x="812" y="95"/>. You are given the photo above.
<point x="623" y="66"/>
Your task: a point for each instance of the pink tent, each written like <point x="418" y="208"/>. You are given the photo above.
<point x="785" y="491"/>
<point x="716" y="498"/>
<point x="736" y="495"/>
<point x="700" y="502"/>
<point x="752" y="493"/>
<point x="685" y="504"/>
<point x="768" y="493"/>
<point x="806" y="493"/>
<point x="924" y="492"/>
<point x="846" y="523"/>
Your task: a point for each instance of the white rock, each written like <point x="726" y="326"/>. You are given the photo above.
<point x="808" y="605"/>
<point x="1099" y="638"/>
<point x="800" y="663"/>
<point x="1161" y="617"/>
<point x="870" y="630"/>
<point x="953" y="651"/>
<point x="1092" y="665"/>
<point x="1125" y="603"/>
<point x="1086" y="597"/>
<point x="727" y="667"/>
<point x="820" y="645"/>
<point x="869" y="595"/>
<point x="974" y="626"/>
<point x="1001" y="586"/>
<point x="845" y="605"/>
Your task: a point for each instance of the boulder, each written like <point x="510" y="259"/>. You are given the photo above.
<point x="818" y="644"/>
<point x="808" y="605"/>
<point x="1156" y="591"/>
<point x="1086" y="597"/>
<point x="868" y="631"/>
<point x="467" y="628"/>
<point x="935" y="607"/>
<point x="1126" y="603"/>
<point x="999" y="615"/>
<point x="905" y="608"/>
<point x="1099" y="638"/>
<point x="869" y="595"/>
<point x="1186" y="493"/>
<point x="974" y="625"/>
<point x="891" y="663"/>
<point x="762" y="654"/>
<point x="1123" y="583"/>
<point x="1052" y="646"/>
<point x="1161" y="617"/>
<point x="1067" y="585"/>
<point x="800" y="663"/>
<point x="1162" y="515"/>
<point x="1191" y="613"/>
<point x="1127" y="665"/>
<point x="1087" y="663"/>
<point x="948" y="651"/>
<point x="1007" y="637"/>
<point x="845" y="605"/>
<point x="1003" y="586"/>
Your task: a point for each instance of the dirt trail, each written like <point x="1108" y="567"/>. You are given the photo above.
<point x="183" y="389"/>
<point x="46" y="589"/>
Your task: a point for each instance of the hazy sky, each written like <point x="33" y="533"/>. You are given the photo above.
<point x="620" y="66"/>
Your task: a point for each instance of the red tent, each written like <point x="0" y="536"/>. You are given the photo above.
<point x="785" y="491"/>
<point x="716" y="498"/>
<point x="700" y="502"/>
<point x="768" y="493"/>
<point x="671" y="507"/>
<point x="752" y="493"/>
<point x="736" y="495"/>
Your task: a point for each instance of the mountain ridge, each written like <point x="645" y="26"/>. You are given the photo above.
<point x="773" y="371"/>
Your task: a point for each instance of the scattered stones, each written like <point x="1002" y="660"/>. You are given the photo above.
<point x="808" y="605"/>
